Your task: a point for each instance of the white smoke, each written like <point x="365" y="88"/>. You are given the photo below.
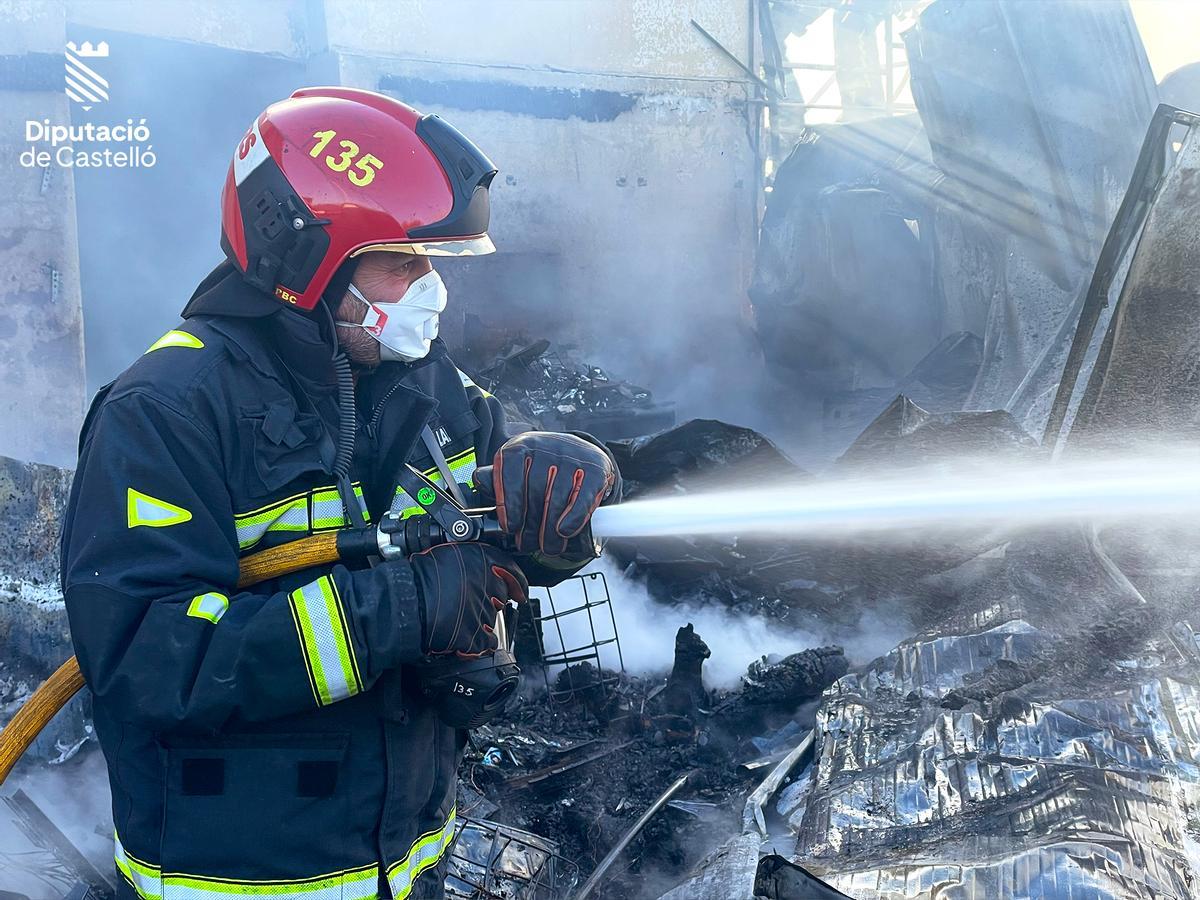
<point x="75" y="797"/>
<point x="646" y="629"/>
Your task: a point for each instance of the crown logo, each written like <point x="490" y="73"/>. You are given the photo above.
<point x="85" y="85"/>
<point x="87" y="50"/>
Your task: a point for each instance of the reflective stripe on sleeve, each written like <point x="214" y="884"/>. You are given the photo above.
<point x="176" y="338"/>
<point x="150" y="883"/>
<point x="325" y="641"/>
<point x="142" y="509"/>
<point x="317" y="510"/>
<point x="424" y="854"/>
<point x="210" y="606"/>
<point x="287" y="515"/>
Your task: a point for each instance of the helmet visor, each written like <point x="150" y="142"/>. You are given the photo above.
<point x="475" y="246"/>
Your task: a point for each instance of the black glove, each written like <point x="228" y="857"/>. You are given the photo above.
<point x="546" y="486"/>
<point x="461" y="587"/>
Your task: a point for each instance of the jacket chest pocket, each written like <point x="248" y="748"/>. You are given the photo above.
<point x="256" y="807"/>
<point x="279" y="446"/>
<point x="455" y="429"/>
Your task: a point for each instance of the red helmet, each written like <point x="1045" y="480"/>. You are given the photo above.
<point x="332" y="172"/>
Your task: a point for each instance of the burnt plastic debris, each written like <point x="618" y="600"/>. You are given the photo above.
<point x="555" y="390"/>
<point x="784" y="683"/>
<point x="698" y="454"/>
<point x="560" y="770"/>
<point x="781" y="879"/>
<point x="905" y="434"/>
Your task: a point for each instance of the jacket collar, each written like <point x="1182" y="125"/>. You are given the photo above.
<point x="224" y="293"/>
<point x="303" y="342"/>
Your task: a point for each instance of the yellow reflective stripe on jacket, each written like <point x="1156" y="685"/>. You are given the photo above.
<point x="142" y="509"/>
<point x="468" y="383"/>
<point x="327" y="508"/>
<point x="462" y="467"/>
<point x="325" y="639"/>
<point x="210" y="606"/>
<point x="145" y="878"/>
<point x="284" y="515"/>
<point x="176" y="338"/>
<point x="150" y="883"/>
<point x="425" y="853"/>
<point x="317" y="510"/>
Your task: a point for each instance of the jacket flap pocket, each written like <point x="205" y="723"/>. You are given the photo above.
<point x="281" y="446"/>
<point x="280" y="423"/>
<point x="462" y="425"/>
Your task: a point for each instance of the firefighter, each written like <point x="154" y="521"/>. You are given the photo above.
<point x="270" y="741"/>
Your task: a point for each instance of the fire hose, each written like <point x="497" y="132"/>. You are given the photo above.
<point x="471" y="691"/>
<point x="1154" y="485"/>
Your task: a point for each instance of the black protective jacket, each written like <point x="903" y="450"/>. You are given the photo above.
<point x="262" y="741"/>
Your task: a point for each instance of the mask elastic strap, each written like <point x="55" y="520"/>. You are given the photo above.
<point x="359" y="294"/>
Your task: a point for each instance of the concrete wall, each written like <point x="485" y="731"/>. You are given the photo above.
<point x="264" y="26"/>
<point x="625" y="208"/>
<point x="616" y="37"/>
<point x="41" y="363"/>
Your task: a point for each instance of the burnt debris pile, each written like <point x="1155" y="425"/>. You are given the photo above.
<point x="555" y="390"/>
<point x="582" y="769"/>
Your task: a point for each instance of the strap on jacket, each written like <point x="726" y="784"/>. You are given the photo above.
<point x="439" y="460"/>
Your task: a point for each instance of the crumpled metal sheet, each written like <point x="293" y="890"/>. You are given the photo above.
<point x="1083" y="795"/>
<point x="726" y="872"/>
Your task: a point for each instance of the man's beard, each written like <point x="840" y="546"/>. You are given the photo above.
<point x="359" y="346"/>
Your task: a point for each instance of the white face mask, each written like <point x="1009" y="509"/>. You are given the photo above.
<point x="404" y="327"/>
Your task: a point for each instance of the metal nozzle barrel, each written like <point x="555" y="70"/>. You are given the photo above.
<point x="417" y="533"/>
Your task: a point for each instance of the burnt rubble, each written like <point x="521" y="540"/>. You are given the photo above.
<point x="553" y="389"/>
<point x="581" y="773"/>
<point x="33" y="626"/>
<point x="1038" y="732"/>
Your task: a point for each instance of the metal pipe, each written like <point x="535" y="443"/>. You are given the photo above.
<point x="767" y="89"/>
<point x="606" y="863"/>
